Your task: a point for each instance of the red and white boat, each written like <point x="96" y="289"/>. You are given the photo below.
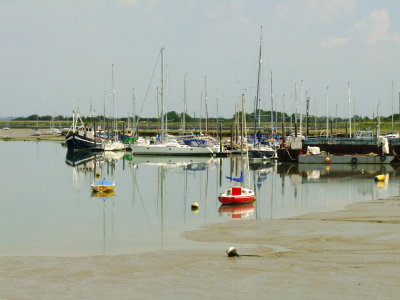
<point x="237" y="195"/>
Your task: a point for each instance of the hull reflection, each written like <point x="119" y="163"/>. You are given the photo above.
<point x="238" y="211"/>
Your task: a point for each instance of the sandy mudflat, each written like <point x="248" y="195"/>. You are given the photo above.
<point x="350" y="254"/>
<point x="25" y="134"/>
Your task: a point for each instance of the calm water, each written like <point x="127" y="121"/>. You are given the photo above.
<point x="47" y="207"/>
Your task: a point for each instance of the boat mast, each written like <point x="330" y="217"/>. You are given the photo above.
<point x="256" y="112"/>
<point x="206" y="102"/>
<point x="184" y="105"/>
<point x="296" y="112"/>
<point x="217" y="100"/>
<point x="242" y="129"/>
<point x="200" y="115"/>
<point x="113" y="95"/>
<point x="348" y="91"/>
<point x="378" y="120"/>
<point x="272" y="110"/>
<point x="301" y="107"/>
<point x="327" y="111"/>
<point x="392" y="108"/>
<point x="133" y="110"/>
<point x="162" y="133"/>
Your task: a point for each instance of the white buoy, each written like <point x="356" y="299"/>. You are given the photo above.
<point x="231" y="252"/>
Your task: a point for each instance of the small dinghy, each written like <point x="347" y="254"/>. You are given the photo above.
<point x="237" y="194"/>
<point x="103" y="185"/>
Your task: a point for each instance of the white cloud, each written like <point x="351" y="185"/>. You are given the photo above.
<point x="334" y="42"/>
<point x="378" y="26"/>
<point x="329" y="10"/>
<point x="282" y="10"/>
<point x="129" y="2"/>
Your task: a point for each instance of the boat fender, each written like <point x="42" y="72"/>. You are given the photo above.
<point x="354" y="160"/>
<point x="381" y="177"/>
<point x="382" y="158"/>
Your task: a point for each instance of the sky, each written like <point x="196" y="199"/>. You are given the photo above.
<point x="59" y="56"/>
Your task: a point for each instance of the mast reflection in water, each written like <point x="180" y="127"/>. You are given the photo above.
<point x="152" y="205"/>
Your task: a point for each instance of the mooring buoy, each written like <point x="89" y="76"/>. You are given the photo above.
<point x="232" y="252"/>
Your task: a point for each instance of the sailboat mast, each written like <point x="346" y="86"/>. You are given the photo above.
<point x="256" y="112"/>
<point x="392" y="108"/>
<point x="243" y="128"/>
<point x="162" y="133"/>
<point x="206" y="100"/>
<point x="348" y="91"/>
<point x="327" y="111"/>
<point x="301" y="108"/>
<point x="184" y="105"/>
<point x="133" y="110"/>
<point x="272" y="110"/>
<point x="113" y="95"/>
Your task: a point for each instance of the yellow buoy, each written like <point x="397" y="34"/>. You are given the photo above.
<point x="195" y="207"/>
<point x="327" y="160"/>
<point x="380" y="177"/>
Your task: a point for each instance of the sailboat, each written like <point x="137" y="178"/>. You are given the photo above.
<point x="261" y="150"/>
<point x="239" y="194"/>
<point x="164" y="146"/>
<point x="53" y="129"/>
<point x="113" y="144"/>
<point x="103" y="185"/>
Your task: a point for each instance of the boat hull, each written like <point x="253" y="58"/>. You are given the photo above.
<point x="77" y="142"/>
<point x="239" y="199"/>
<point x="261" y="153"/>
<point x="345" y="159"/>
<point x="103" y="188"/>
<point x="181" y="150"/>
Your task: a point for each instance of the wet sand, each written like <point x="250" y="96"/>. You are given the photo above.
<point x="349" y="254"/>
<point x="25" y="134"/>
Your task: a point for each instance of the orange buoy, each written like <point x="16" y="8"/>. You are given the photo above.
<point x="327" y="159"/>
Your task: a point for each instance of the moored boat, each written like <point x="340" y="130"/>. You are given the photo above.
<point x="103" y="185"/>
<point x="237" y="195"/>
<point x="345" y="159"/>
<point x="81" y="137"/>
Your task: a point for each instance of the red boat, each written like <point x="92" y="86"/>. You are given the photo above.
<point x="237" y="195"/>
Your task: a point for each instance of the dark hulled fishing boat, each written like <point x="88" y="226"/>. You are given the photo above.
<point x="81" y="137"/>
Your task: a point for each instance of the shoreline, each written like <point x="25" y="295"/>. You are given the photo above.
<point x="352" y="253"/>
<point x="25" y="134"/>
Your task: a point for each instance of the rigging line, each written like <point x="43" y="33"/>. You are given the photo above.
<point x="147" y="91"/>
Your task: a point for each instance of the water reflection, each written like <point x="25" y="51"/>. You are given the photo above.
<point x="237" y="211"/>
<point x="105" y="197"/>
<point x="152" y="204"/>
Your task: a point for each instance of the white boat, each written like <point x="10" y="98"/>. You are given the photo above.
<point x="167" y="147"/>
<point x="113" y="146"/>
<point x="53" y="130"/>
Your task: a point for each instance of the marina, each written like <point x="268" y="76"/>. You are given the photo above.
<point x="200" y="150"/>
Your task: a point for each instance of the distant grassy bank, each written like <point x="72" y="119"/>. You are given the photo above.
<point x="152" y="128"/>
